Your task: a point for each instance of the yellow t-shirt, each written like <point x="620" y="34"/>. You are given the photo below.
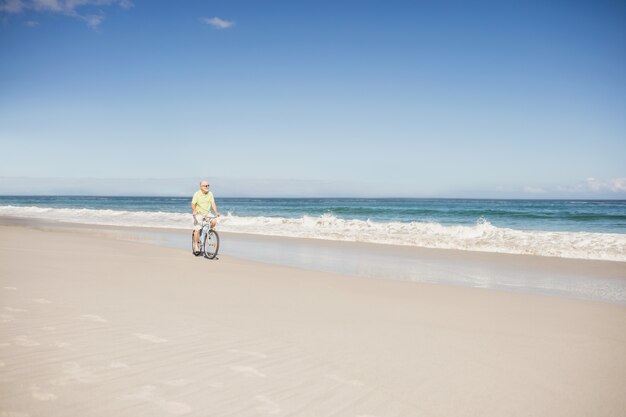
<point x="203" y="202"/>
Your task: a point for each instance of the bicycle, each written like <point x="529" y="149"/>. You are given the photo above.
<point x="208" y="241"/>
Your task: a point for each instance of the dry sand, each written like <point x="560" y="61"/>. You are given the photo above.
<point x="93" y="326"/>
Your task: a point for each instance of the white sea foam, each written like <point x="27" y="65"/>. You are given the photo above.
<point x="482" y="236"/>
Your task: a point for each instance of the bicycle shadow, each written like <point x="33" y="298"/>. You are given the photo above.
<point x="201" y="255"/>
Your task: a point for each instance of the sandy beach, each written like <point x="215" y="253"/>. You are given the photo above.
<point x="96" y="326"/>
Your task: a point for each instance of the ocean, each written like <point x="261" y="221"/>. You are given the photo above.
<point x="582" y="229"/>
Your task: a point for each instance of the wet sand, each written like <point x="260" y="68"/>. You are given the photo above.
<point x="593" y="280"/>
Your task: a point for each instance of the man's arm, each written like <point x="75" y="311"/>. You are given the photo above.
<point x="193" y="209"/>
<point x="217" y="213"/>
<point x="194" y="203"/>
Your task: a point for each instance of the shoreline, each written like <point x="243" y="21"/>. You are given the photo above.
<point x="575" y="278"/>
<point x="479" y="235"/>
<point x="110" y="327"/>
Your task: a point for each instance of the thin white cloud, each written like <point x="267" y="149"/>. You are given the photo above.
<point x="615" y="185"/>
<point x="11" y="6"/>
<point x="534" y="190"/>
<point x="48" y="5"/>
<point x="93" y="21"/>
<point x="72" y="8"/>
<point x="218" y="23"/>
<point x="589" y="187"/>
<point x="31" y="23"/>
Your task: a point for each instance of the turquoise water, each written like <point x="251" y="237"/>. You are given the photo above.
<point x="543" y="215"/>
<point x="558" y="228"/>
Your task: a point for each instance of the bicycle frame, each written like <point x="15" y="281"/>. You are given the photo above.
<point x="206" y="226"/>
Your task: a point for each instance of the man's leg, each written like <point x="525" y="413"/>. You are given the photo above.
<point x="196" y="233"/>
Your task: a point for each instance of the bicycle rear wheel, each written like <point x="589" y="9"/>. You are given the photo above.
<point x="211" y="244"/>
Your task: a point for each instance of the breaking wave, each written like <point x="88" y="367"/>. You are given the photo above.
<point x="482" y="236"/>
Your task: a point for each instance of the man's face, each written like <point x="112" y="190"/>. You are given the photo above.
<point x="204" y="187"/>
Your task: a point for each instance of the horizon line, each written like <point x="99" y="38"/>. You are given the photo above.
<point x="314" y="197"/>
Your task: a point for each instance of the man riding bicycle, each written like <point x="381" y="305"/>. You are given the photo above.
<point x="201" y="204"/>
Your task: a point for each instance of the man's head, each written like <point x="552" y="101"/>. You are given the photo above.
<point x="204" y="186"/>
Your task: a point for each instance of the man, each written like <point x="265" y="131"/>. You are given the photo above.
<point x="201" y="204"/>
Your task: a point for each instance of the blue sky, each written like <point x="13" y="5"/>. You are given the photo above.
<point x="325" y="98"/>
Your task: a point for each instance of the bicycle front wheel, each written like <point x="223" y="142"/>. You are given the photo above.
<point x="211" y="244"/>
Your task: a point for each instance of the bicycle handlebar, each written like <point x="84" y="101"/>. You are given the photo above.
<point x="207" y="217"/>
